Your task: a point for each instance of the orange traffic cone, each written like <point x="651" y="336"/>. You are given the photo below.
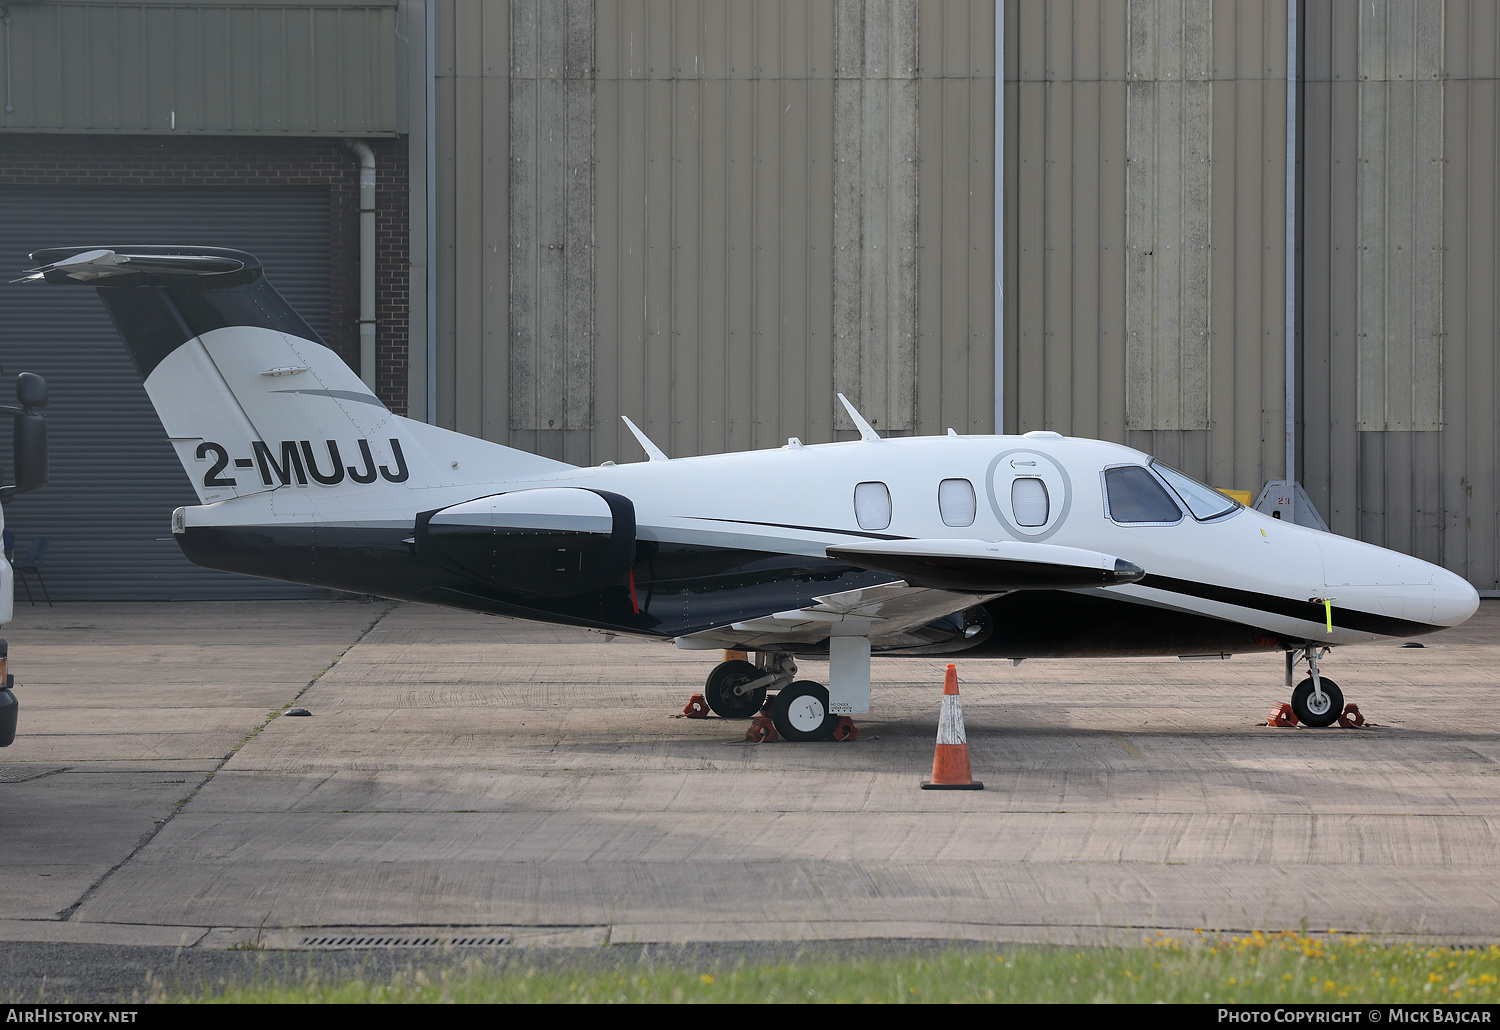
<point x="950" y="763"/>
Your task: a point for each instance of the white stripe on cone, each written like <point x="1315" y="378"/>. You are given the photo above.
<point x="951" y="721"/>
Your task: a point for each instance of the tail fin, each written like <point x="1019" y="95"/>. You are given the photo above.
<point x="250" y="397"/>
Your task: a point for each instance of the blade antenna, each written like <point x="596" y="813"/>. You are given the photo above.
<point x="653" y="452"/>
<point x="865" y="430"/>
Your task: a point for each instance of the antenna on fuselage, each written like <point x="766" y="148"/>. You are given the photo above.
<point x="866" y="432"/>
<point x="653" y="452"/>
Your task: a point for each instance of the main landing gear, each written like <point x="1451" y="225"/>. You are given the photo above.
<point x="800" y="712"/>
<point x="1317" y="700"/>
<point x="736" y="689"/>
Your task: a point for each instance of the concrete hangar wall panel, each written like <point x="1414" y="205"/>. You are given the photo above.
<point x="1401" y="271"/>
<point x="114" y="476"/>
<point x="712" y="216"/>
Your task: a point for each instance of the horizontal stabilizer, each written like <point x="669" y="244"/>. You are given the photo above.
<point x="203" y="268"/>
<point x="989" y="566"/>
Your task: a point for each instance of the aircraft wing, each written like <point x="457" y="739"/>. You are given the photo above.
<point x="889" y="611"/>
<point x="939" y="578"/>
<point x="989" y="566"/>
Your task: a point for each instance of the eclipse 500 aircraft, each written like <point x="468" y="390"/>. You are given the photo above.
<point x="989" y="546"/>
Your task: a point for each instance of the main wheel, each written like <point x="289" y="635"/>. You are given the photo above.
<point x="720" y="695"/>
<point x="1310" y="711"/>
<point x="801" y="713"/>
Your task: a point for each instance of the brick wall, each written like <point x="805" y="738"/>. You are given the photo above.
<point x="53" y="159"/>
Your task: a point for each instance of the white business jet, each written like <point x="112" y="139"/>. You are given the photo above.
<point x="990" y="546"/>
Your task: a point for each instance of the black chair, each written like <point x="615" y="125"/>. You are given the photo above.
<point x="33" y="563"/>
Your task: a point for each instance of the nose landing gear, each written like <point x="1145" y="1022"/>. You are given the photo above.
<point x="1317" y="700"/>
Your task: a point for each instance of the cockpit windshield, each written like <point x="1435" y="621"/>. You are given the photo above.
<point x="1203" y="501"/>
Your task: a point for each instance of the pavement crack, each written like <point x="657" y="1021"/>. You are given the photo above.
<point x="65" y="915"/>
<point x="26" y="776"/>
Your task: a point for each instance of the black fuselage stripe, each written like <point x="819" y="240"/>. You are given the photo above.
<point x="1344" y="618"/>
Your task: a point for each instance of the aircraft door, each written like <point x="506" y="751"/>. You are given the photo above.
<point x="1030" y="493"/>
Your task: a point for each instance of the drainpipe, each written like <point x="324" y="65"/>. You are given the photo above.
<point x="5" y="11"/>
<point x="1291" y="259"/>
<point x="366" y="260"/>
<point x="999" y="337"/>
<point x="430" y="157"/>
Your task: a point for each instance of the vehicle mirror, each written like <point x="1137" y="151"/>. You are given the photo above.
<point x="31" y="390"/>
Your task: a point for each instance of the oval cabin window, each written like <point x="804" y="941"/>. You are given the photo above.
<point x="1028" y="499"/>
<point x="956" y="502"/>
<point x="872" y="505"/>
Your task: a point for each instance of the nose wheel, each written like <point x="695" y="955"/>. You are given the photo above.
<point x="1315" y="708"/>
<point x="1317" y="700"/>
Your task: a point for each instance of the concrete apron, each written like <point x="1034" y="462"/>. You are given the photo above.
<point x="472" y="779"/>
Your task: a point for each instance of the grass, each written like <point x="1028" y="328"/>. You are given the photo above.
<point x="1285" y="967"/>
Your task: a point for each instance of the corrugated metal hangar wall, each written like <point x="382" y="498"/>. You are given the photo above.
<point x="711" y="214"/>
<point x="1147" y="155"/>
<point x="1400" y="277"/>
<point x="1146" y="213"/>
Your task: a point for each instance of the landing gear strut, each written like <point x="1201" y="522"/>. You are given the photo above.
<point x="1317" y="701"/>
<point x="737" y="689"/>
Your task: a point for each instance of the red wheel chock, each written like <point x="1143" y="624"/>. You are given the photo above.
<point x="762" y="731"/>
<point x="844" y="729"/>
<point x="697" y="707"/>
<point x="1349" y="719"/>
<point x="1282" y="716"/>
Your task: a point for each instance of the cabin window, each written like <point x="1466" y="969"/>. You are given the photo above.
<point x="1133" y="495"/>
<point x="1028" y="499"/>
<point x="872" y="505"/>
<point x="956" y="502"/>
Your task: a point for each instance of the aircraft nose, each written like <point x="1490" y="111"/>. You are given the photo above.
<point x="1454" y="598"/>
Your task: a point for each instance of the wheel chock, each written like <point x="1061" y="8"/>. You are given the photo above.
<point x="762" y="731"/>
<point x="844" y="729"/>
<point x="1282" y="716"/>
<point x="1350" y="718"/>
<point x="697" y="707"/>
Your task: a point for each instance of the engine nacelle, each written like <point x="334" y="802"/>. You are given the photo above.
<point x="551" y="542"/>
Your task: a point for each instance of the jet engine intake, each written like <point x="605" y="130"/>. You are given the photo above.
<point x="551" y="542"/>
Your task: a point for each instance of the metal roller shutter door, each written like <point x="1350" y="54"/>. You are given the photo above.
<point x="114" y="476"/>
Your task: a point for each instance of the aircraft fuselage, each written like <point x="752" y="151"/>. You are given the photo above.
<point x="722" y="539"/>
